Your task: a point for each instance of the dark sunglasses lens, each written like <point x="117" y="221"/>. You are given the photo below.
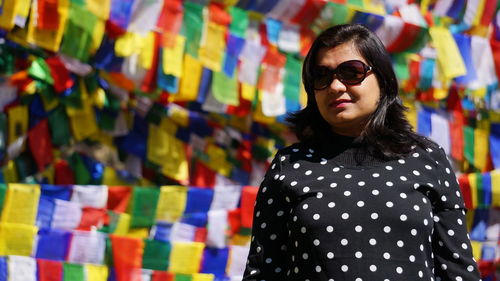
<point x="322" y="80"/>
<point x="351" y="72"/>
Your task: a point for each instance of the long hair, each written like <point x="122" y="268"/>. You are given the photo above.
<point x="387" y="133"/>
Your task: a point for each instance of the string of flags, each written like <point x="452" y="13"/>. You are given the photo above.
<point x="100" y="232"/>
<point x="98" y="94"/>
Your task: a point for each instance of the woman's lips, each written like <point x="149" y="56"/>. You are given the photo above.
<point x="340" y="103"/>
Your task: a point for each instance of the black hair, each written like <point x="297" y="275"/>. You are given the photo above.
<point x="387" y="133"/>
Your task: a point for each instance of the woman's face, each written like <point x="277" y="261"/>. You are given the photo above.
<point x="346" y="107"/>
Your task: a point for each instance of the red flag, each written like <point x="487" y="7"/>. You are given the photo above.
<point x="61" y="76"/>
<point x="93" y="217"/>
<point x="162" y="276"/>
<point x="170" y="19"/>
<point x="149" y="82"/>
<point x="234" y="220"/>
<point x="118" y="198"/>
<point x="202" y="176"/>
<point x="248" y="196"/>
<point x="63" y="173"/>
<point x="457" y="123"/>
<point x="48" y="15"/>
<point x="40" y="144"/>
<point x="463" y="181"/>
<point x="127" y="257"/>
<point x="309" y="12"/>
<point x="49" y="270"/>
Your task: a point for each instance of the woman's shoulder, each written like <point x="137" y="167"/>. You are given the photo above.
<point x="432" y="151"/>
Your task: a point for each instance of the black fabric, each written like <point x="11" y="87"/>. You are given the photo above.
<point x="321" y="214"/>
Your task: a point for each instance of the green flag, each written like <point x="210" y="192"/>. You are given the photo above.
<point x="73" y="272"/>
<point x="156" y="254"/>
<point x="143" y="207"/>
<point x="192" y="27"/>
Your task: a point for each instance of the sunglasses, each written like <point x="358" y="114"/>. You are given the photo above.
<point x="350" y="72"/>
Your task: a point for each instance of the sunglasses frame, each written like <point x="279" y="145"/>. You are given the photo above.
<point x="334" y="75"/>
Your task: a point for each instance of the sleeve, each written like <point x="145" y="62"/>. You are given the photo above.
<point x="452" y="249"/>
<point x="269" y="231"/>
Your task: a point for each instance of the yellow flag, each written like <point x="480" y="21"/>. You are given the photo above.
<point x="495" y="188"/>
<point x="9" y="172"/>
<point x="218" y="160"/>
<point x="211" y="51"/>
<point x="111" y="178"/>
<point x="141" y="233"/>
<point x="473" y="188"/>
<point x="123" y="225"/>
<point x="100" y="8"/>
<point x="128" y="44"/>
<point x="97" y="35"/>
<point x="17" y="239"/>
<point x="18" y="122"/>
<point x="171" y="203"/>
<point x="479" y="12"/>
<point x="172" y="57"/>
<point x="96" y="272"/>
<point x="83" y="122"/>
<point x="248" y="91"/>
<point x="8" y="14"/>
<point x="185" y="257"/>
<point x="147" y="51"/>
<point x="481" y="145"/>
<point x="476" y="249"/>
<point x="179" y="115"/>
<point x="190" y="80"/>
<point x="202" y="277"/>
<point x="21" y="203"/>
<point x="449" y="58"/>
<point x="48" y="39"/>
<point x="168" y="151"/>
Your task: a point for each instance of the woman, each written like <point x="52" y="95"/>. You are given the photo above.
<point x="360" y="197"/>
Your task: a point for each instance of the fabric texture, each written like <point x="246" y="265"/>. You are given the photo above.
<point x="327" y="212"/>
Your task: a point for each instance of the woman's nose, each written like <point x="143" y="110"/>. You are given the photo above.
<point x="337" y="85"/>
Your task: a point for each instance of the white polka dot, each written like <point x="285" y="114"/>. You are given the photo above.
<point x="446" y="183"/>
<point x="269" y="260"/>
<point x="318" y="268"/>
<point x="414" y="232"/>
<point x="303" y="229"/>
<point x="415" y="155"/>
<point x="308" y="155"/>
<point x="375" y="192"/>
<point x="347" y="193"/>
<point x="282" y="177"/>
<point x="296" y="165"/>
<point x="447" y="170"/>
<point x="258" y="249"/>
<point x="273" y="237"/>
<point x="296" y="270"/>
<point x="389" y="183"/>
<point x="283" y="158"/>
<point x="316" y="217"/>
<point x="375" y="175"/>
<point x="401" y="161"/>
<point x="320" y="178"/>
<point x="306" y="189"/>
<point x="329" y="228"/>
<point x="457" y="193"/>
<point x="459" y="221"/>
<point x="316" y="242"/>
<point x="305" y="206"/>
<point x="444" y="266"/>
<point x="336" y="169"/>
<point x="470" y="268"/>
<point x="416" y="173"/>
<point x="451" y="232"/>
<point x="426" y="222"/>
<point x="399" y="269"/>
<point x="387" y="229"/>
<point x="403" y="195"/>
<point x="253" y="272"/>
<point x="416" y="208"/>
<point x="387" y="256"/>
<point x="305" y="256"/>
<point x="279" y="213"/>
<point x="345" y="268"/>
<point x="388" y="167"/>
<point x="308" y="172"/>
<point x="295" y="150"/>
<point x="372" y="242"/>
<point x="344" y="242"/>
<point x="348" y="176"/>
<point x="345" y="216"/>
<point x="420" y="274"/>
<point x="264" y="189"/>
<point x="361" y="183"/>
<point x="428" y="167"/>
<point x="277" y="269"/>
<point x="331" y="204"/>
<point x="332" y="185"/>
<point x="360" y="203"/>
<point x="416" y="186"/>
<point x="403" y="217"/>
<point x="323" y="161"/>
<point x="273" y="166"/>
<point x="373" y="268"/>
<point x="464" y="246"/>
<point x="270" y="201"/>
<point x="389" y="204"/>
<point x="358" y="254"/>
<point x="400" y="243"/>
<point x="263" y="225"/>
<point x="374" y="216"/>
<point x="319" y="195"/>
<point x="458" y="278"/>
<point x="358" y="228"/>
<point x="276" y="176"/>
<point x="412" y="258"/>
<point x="456" y="256"/>
<point x="443" y="198"/>
<point x="293" y="183"/>
<point x="330" y="255"/>
<point x="435" y="218"/>
<point x="403" y="178"/>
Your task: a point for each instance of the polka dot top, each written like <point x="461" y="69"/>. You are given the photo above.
<point x="319" y="218"/>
